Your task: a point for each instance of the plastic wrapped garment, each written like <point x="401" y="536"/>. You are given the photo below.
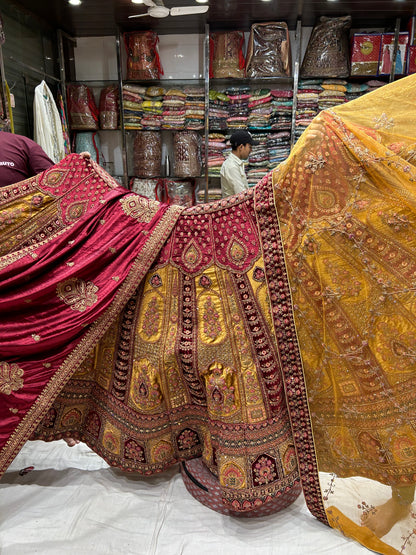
<point x="145" y="187"/>
<point x="181" y="192"/>
<point x="327" y="52"/>
<point x="226" y="54"/>
<point x="89" y="141"/>
<point x="143" y="60"/>
<point x="83" y="111"/>
<point x="268" y="51"/>
<point x="187" y="154"/>
<point x="147" y="154"/>
<point x="109" y="107"/>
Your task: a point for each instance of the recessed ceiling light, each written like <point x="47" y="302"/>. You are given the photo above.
<point x="137" y="1"/>
<point x="202" y="1"/>
<point x="74" y="2"/>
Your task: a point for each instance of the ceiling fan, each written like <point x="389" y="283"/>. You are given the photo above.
<point x="156" y="8"/>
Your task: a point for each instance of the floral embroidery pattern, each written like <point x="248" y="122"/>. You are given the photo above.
<point x="77" y="293"/>
<point x="205" y="282"/>
<point x="151" y="319"/>
<point x="10" y="377"/>
<point x="139" y="208"/>
<point x="187" y="439"/>
<point x="156" y="281"/>
<point x="315" y="163"/>
<point x="212" y="326"/>
<point x="383" y="121"/>
<point x="37" y="200"/>
<point x="134" y="451"/>
<point x="264" y="470"/>
<point x="8" y="217"/>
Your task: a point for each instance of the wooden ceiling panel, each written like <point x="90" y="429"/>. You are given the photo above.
<point x="103" y="17"/>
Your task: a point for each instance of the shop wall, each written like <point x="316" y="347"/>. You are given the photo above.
<point x="30" y="55"/>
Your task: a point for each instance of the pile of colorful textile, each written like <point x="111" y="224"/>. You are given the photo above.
<point x="238" y="107"/>
<point x="216" y="153"/>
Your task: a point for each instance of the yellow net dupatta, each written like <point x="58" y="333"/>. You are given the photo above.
<point x="346" y="200"/>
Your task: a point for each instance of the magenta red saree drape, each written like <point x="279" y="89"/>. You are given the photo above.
<point x="74" y="246"/>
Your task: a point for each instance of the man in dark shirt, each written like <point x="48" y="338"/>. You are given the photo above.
<point x="20" y="158"/>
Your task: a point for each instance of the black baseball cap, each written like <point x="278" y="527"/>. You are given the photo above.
<point x="241" y="137"/>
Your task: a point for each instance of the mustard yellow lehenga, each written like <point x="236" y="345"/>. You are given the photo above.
<point x="273" y="335"/>
<point x="346" y="200"/>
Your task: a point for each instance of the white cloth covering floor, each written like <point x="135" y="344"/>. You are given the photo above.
<point x="74" y="503"/>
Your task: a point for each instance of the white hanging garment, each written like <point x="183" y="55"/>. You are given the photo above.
<point x="48" y="131"/>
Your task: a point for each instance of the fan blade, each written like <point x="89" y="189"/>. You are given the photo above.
<point x="149" y="3"/>
<point x="188" y="10"/>
<point x="138" y="15"/>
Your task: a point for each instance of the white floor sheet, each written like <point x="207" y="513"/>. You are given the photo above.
<point x="74" y="503"/>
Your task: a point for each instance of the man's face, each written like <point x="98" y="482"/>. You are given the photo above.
<point x="244" y="151"/>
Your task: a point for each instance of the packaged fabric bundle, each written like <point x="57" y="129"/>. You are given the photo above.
<point x="226" y="54"/>
<point x="143" y="60"/>
<point x="365" y="53"/>
<point x="180" y="192"/>
<point x="187" y="154"/>
<point x="327" y="52"/>
<point x="109" y="107"/>
<point x="89" y="141"/>
<point x="147" y="154"/>
<point x="145" y="187"/>
<point x="83" y="111"/>
<point x="268" y="51"/>
<point x="385" y="66"/>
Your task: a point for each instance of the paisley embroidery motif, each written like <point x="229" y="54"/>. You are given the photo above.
<point x="77" y="293"/>
<point x="192" y="256"/>
<point x="139" y="208"/>
<point x="237" y="251"/>
<point x="222" y="390"/>
<point x="76" y="210"/>
<point x="10" y="377"/>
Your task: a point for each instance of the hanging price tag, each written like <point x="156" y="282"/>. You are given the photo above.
<point x="12" y="102"/>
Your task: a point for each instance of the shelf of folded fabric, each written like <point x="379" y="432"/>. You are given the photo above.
<point x="252" y="81"/>
<point x="169" y="106"/>
<point x="266" y="112"/>
<point x="317" y="94"/>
